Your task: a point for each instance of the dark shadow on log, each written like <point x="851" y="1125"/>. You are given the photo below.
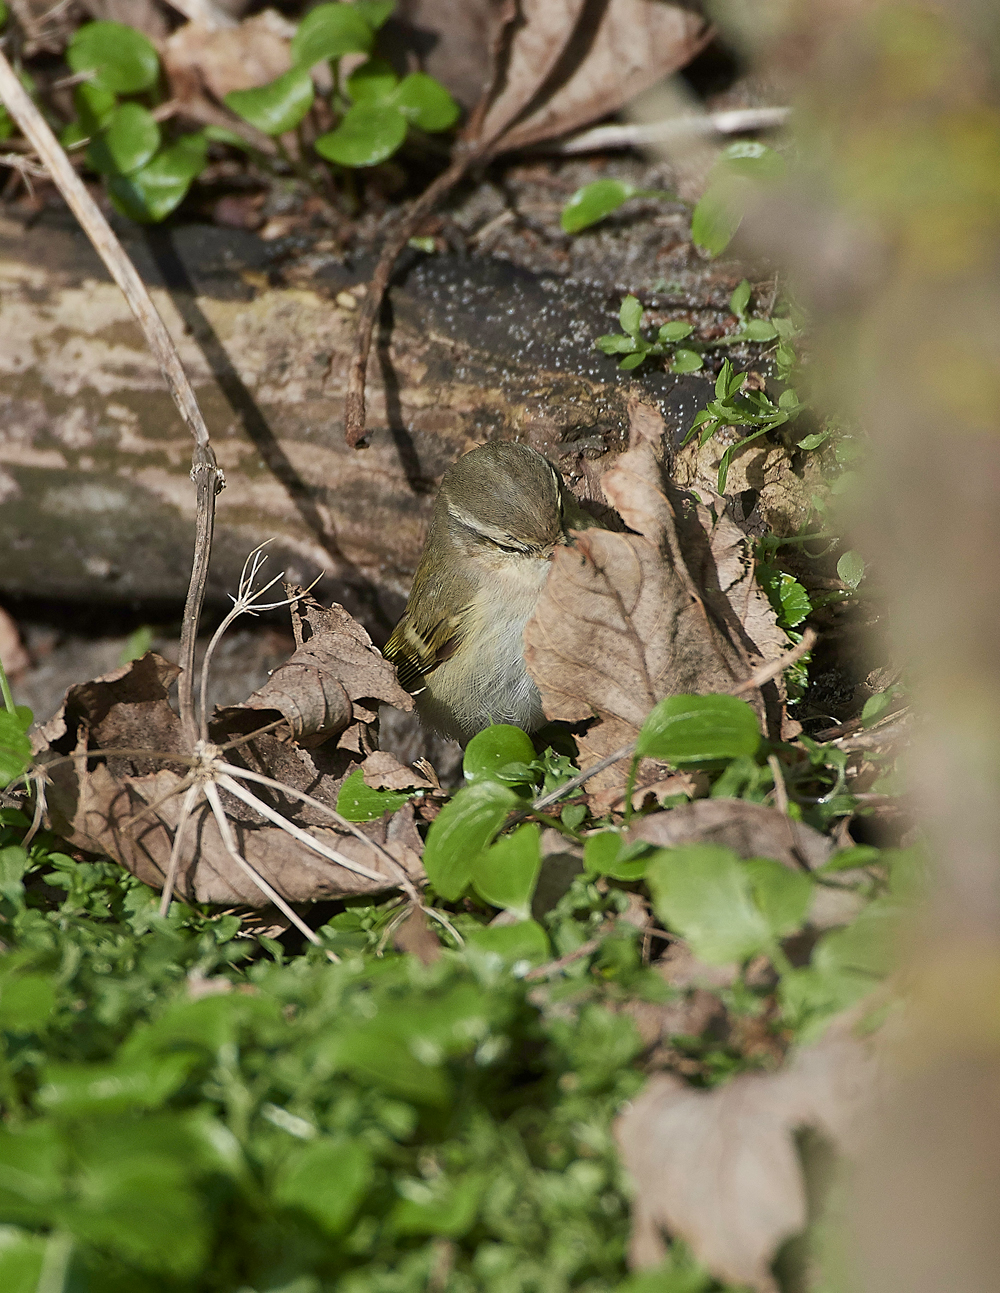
<point x="408" y="458"/>
<point x="182" y="291"/>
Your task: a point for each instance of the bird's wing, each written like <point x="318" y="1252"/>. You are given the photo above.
<point x="417" y="652"/>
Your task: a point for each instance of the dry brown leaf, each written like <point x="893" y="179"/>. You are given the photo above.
<point x="531" y="48"/>
<point x="626" y="619"/>
<point x="560" y="76"/>
<point x="383" y="771"/>
<point x="414" y="934"/>
<point x="453" y="41"/>
<point x="750" y="830"/>
<point x="720" y="1169"/>
<point x="336" y="677"/>
<point x="199" y="59"/>
<point x="95" y="805"/>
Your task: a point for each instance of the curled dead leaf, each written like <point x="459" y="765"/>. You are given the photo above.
<point x="335" y="678"/>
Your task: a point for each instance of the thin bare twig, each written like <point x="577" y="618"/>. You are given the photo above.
<point x="173" y="866"/>
<point x="732" y="121"/>
<point x="354" y="405"/>
<point x="780" y="792"/>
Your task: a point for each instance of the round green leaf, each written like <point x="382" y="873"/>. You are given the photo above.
<point x="94" y="106"/>
<point x="425" y="102"/>
<point x="372" y="81"/>
<point x="277" y="107"/>
<point x="328" y="31"/>
<point x="633" y="361"/>
<point x="489" y="751"/>
<point x="327" y="1179"/>
<point x="606" y="853"/>
<point x="123" y="59"/>
<point x="717" y="216"/>
<point x="507" y="872"/>
<point x="465" y="826"/>
<point x="129" y="140"/>
<point x="359" y="802"/>
<point x="525" y="941"/>
<point x="704" y="893"/>
<point x="686" y="361"/>
<point x="593" y="202"/>
<point x="369" y="133"/>
<point x="740" y="299"/>
<point x="630" y="315"/>
<point x="697" y="729"/>
<point x="150" y="194"/>
<point x="759" y="330"/>
<point x="374" y="12"/>
<point x="675" y="331"/>
<point x="782" y="895"/>
<point x="851" y="568"/>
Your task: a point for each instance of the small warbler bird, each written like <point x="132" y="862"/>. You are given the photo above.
<point x="500" y="513"/>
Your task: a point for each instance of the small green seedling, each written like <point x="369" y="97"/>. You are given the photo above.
<point x="596" y="201"/>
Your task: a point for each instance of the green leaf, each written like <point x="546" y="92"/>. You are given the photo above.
<point x="716" y="218"/>
<point x="71" y="1090"/>
<point x="15" y="748"/>
<point x="94" y="106"/>
<point x="593" y="202"/>
<point x="759" y="330"/>
<point x="489" y="751"/>
<point x="686" y="361"/>
<point x="754" y="160"/>
<point x="630" y="315"/>
<point x="782" y="895"/>
<point x="279" y="106"/>
<point x="506" y="873"/>
<point x="616" y="343"/>
<point x="699" y="729"/>
<point x="675" y="331"/>
<point x="7" y="124"/>
<point x="813" y="441"/>
<point x="361" y="803"/>
<point x="866" y="946"/>
<point x="789" y="599"/>
<point x="704" y="893"/>
<point x="633" y="361"/>
<point x="606" y="853"/>
<point x="21" y="1257"/>
<point x="26" y="1001"/>
<point x="328" y="31"/>
<point x="443" y="1206"/>
<point x="374" y="12"/>
<point x="465" y="826"/>
<point x="525" y="942"/>
<point x="123" y="59"/>
<point x="129" y="140"/>
<point x="14" y="861"/>
<point x="851" y="568"/>
<point x="859" y="855"/>
<point x="368" y="134"/>
<point x="152" y="192"/>
<point x="372" y="82"/>
<point x="740" y="299"/>
<point x="327" y="1179"/>
<point x="385" y="1055"/>
<point x="4" y="13"/>
<point x="425" y="103"/>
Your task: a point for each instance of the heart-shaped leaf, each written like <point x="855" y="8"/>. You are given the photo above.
<point x="128" y="142"/>
<point x="425" y="102"/>
<point x="330" y="30"/>
<point x="278" y="106"/>
<point x="122" y="59"/>
<point x="369" y="133"/>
